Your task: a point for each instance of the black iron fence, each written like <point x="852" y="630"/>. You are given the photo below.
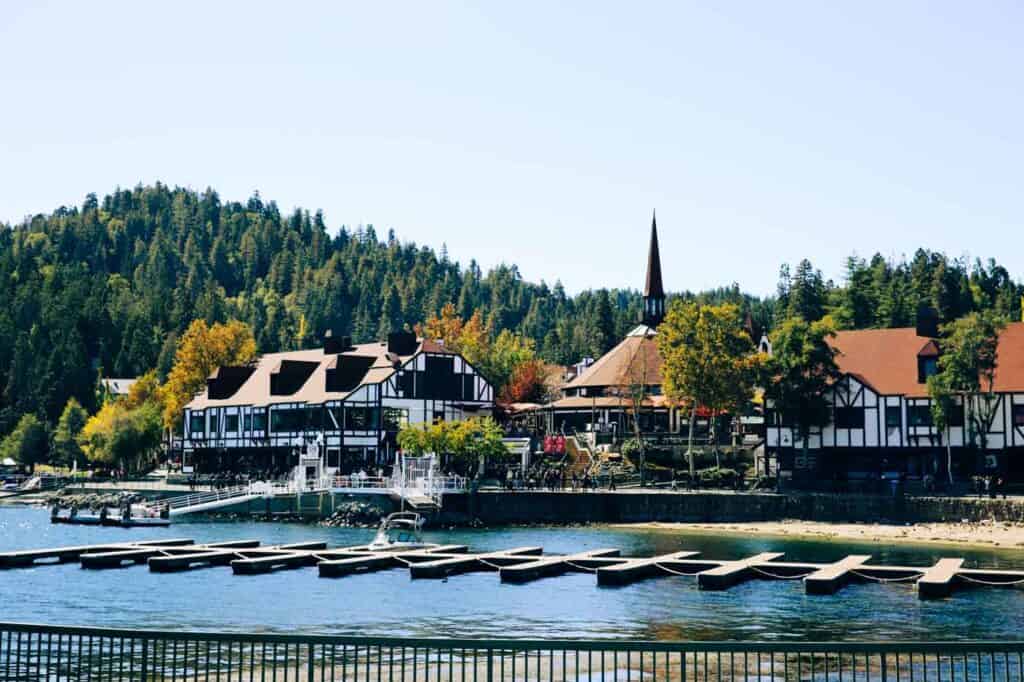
<point x="37" y="652"/>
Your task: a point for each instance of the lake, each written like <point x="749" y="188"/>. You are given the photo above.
<point x="478" y="605"/>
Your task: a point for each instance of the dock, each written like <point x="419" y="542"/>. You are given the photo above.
<point x="831" y="578"/>
<point x="937" y="581"/>
<point x="552" y="565"/>
<point x="513" y="565"/>
<point x="733" y="572"/>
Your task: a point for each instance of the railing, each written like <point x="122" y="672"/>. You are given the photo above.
<point x="205" y="498"/>
<point x="360" y="482"/>
<point x="38" y="652"/>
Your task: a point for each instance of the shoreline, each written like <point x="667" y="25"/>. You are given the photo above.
<point x="986" y="534"/>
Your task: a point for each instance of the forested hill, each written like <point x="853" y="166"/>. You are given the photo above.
<point x="111" y="284"/>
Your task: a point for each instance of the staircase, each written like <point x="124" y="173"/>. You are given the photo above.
<point x="581" y="459"/>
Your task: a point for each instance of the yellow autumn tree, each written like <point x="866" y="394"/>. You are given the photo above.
<point x="202" y="349"/>
<point x="497" y="358"/>
<point x="470" y="338"/>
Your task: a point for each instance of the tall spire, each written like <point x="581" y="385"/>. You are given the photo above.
<point x="654" y="293"/>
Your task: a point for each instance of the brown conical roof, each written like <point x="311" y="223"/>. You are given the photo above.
<point x="652" y="287"/>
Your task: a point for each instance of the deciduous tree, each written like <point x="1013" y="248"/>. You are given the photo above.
<point x="708" y="360"/>
<point x="201" y="350"/>
<point x="799" y="372"/>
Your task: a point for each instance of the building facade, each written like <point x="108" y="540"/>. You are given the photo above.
<point x="348" y="400"/>
<point x="881" y="423"/>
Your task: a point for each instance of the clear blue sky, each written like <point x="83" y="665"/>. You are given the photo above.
<point x="544" y="133"/>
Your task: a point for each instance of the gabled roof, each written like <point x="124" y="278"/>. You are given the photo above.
<point x="886" y="359"/>
<point x="634" y="358"/>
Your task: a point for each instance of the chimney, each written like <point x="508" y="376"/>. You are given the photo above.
<point x="334" y="344"/>
<point x="402" y="343"/>
<point x="927" y="322"/>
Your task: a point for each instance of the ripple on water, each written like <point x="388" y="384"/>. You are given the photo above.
<point x="478" y="605"/>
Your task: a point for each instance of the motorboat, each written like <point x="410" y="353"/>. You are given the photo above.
<point x="400" y="530"/>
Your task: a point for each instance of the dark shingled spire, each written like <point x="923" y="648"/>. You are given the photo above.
<point x="654" y="293"/>
<point x="652" y="287"/>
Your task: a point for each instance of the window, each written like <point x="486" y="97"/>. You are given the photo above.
<point x="360" y="419"/>
<point x="287" y="420"/>
<point x="395" y="418"/>
<point x="956" y="415"/>
<point x="893" y="417"/>
<point x="231" y="423"/>
<point x="195" y="424"/>
<point x="247" y="423"/>
<point x="1018" y="415"/>
<point x="213" y="424"/>
<point x="259" y="420"/>
<point x="926" y="367"/>
<point x="919" y="415"/>
<point x="849" y="417"/>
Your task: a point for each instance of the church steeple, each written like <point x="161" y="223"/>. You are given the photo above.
<point x="654" y="294"/>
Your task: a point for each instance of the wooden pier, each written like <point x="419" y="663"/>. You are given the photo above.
<point x="514" y="565"/>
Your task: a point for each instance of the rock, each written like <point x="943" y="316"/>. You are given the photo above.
<point x="355" y="514"/>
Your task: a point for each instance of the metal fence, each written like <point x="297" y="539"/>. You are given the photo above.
<point x="36" y="652"/>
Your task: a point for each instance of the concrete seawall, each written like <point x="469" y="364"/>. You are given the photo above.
<point x="604" y="507"/>
<point x="501" y="508"/>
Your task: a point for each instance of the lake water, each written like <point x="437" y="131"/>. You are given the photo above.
<point x="478" y="605"/>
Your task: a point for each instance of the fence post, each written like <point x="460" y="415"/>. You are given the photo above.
<point x="309" y="662"/>
<point x="490" y="665"/>
<point x="145" y="659"/>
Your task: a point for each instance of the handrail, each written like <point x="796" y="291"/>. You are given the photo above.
<point x="38" y="652"/>
<point x="531" y="645"/>
<point x="903" y="647"/>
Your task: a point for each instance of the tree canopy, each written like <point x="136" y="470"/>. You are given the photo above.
<point x="112" y="284"/>
<point x="708" y="358"/>
<point x="28" y="443"/>
<point x="201" y="350"/>
<point x="802" y="366"/>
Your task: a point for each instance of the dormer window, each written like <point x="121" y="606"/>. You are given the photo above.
<point x="926" y="366"/>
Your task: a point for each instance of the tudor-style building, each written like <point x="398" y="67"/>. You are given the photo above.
<point x="349" y="400"/>
<point x="881" y="420"/>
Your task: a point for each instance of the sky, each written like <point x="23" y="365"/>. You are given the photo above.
<point x="544" y="134"/>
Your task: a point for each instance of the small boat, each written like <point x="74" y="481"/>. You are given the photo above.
<point x="107" y="516"/>
<point x="74" y="518"/>
<point x="400" y="530"/>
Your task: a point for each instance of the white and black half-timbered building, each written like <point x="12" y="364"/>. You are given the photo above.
<point x="348" y="400"/>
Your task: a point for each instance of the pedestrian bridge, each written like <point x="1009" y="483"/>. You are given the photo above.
<point x="418" y="493"/>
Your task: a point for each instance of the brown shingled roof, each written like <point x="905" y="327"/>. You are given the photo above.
<point x="624" y="364"/>
<point x="886" y="359"/>
<point x="256" y="390"/>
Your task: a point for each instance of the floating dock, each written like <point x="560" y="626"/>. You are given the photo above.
<point x="514" y="565"/>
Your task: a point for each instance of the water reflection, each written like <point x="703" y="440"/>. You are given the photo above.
<point x="478" y="605"/>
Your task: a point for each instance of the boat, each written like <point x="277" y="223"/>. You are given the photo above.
<point x="400" y="530"/>
<point x="73" y="517"/>
<point x="108" y="516"/>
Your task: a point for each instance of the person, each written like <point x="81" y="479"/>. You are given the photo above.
<point x="611" y="482"/>
<point x="1001" y="486"/>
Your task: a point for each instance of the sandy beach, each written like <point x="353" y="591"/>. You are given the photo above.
<point x="983" y="534"/>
